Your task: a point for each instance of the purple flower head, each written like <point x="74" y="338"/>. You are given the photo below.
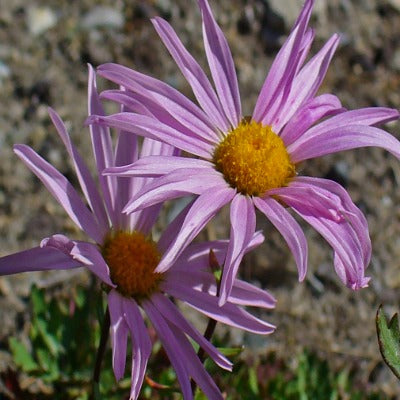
<point x="123" y="255"/>
<point x="250" y="162"/>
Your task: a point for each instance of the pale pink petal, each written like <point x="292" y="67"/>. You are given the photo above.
<point x="243" y="293"/>
<point x="171" y="313"/>
<point x="306" y="83"/>
<point x="308" y="114"/>
<point x="89" y="255"/>
<point x="86" y="181"/>
<point x="119" y="334"/>
<point x="102" y="147"/>
<point x="127" y="99"/>
<point x="221" y="65"/>
<point x="175" y="103"/>
<point x="175" y="184"/>
<point x="194" y="74"/>
<point x="289" y="229"/>
<point x="338" y="220"/>
<point x="342" y="138"/>
<point x="62" y="190"/>
<point x="243" y="226"/>
<point x="201" y="212"/>
<point x="149" y="127"/>
<point x="280" y="76"/>
<point x="173" y="349"/>
<point x="195" y="367"/>
<point x="141" y="344"/>
<point x="36" y="259"/>
<point x="228" y="313"/>
<point x="155" y="166"/>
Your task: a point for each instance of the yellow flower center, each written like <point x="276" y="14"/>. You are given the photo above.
<point x="253" y="159"/>
<point x="132" y="259"/>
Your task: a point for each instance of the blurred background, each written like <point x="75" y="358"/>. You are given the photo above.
<point x="45" y="46"/>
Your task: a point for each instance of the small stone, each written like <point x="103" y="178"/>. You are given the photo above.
<point x="101" y="16"/>
<point x="40" y="19"/>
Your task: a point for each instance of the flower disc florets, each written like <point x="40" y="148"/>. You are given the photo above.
<point x="132" y="258"/>
<point x="253" y="159"/>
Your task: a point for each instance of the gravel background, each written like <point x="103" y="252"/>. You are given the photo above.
<point x="44" y="48"/>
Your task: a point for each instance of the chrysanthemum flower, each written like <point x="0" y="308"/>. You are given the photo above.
<point x="123" y="255"/>
<point x="251" y="162"/>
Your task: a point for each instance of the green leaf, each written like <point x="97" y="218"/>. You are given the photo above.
<point x="230" y="351"/>
<point x="38" y="301"/>
<point x="389" y="340"/>
<point x="253" y="383"/>
<point x="21" y="356"/>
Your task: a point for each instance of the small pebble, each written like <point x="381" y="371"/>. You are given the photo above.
<point x="101" y="16"/>
<point x="40" y="19"/>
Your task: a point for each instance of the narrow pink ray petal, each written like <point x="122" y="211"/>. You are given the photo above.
<point x="228" y="314"/>
<point x="173" y="349"/>
<point x="62" y="190"/>
<point x="36" y="259"/>
<point x="193" y="73"/>
<point x="129" y="100"/>
<point x="175" y="184"/>
<point x="89" y="255"/>
<point x="342" y="138"/>
<point x="221" y="65"/>
<point x="289" y="229"/>
<point x="141" y="344"/>
<point x="203" y="209"/>
<point x="281" y="73"/>
<point x="85" y="178"/>
<point x="243" y="226"/>
<point x="102" y="147"/>
<point x="172" y="314"/>
<point x="155" y="166"/>
<point x="342" y="225"/>
<point x="306" y="83"/>
<point x="195" y="367"/>
<point x="119" y="334"/>
<point x="175" y="103"/>
<point x="308" y="114"/>
<point x="149" y="127"/>
<point x="200" y="279"/>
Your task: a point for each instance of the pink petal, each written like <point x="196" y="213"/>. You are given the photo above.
<point x="195" y="367"/>
<point x="175" y="184"/>
<point x="228" y="313"/>
<point x="201" y="212"/>
<point x="36" y="259"/>
<point x="289" y="229"/>
<point x="149" y="127"/>
<point x="194" y="74"/>
<point x="306" y="83"/>
<point x="119" y="334"/>
<point x="221" y="65"/>
<point x="102" y="147"/>
<point x="89" y="255"/>
<point x="243" y="226"/>
<point x="62" y="190"/>
<point x="338" y="220"/>
<point x="175" y="103"/>
<point x="171" y="313"/>
<point x="174" y="351"/>
<point x="308" y="114"/>
<point x="85" y="179"/>
<point x="342" y="138"/>
<point x="141" y="344"/>
<point x="281" y="74"/>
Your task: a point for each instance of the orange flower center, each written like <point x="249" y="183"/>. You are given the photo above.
<point x="132" y="259"/>
<point x="253" y="159"/>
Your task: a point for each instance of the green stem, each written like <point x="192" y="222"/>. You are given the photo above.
<point x="105" y="331"/>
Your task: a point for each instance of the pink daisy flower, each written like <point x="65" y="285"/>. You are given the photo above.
<point x="250" y="162"/>
<point x="123" y="255"/>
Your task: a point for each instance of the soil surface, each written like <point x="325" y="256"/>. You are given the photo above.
<point x="44" y="49"/>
